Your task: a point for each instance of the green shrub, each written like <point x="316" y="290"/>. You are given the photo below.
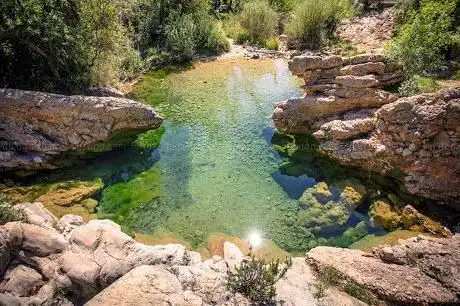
<point x="314" y="21"/>
<point x="209" y="35"/>
<point x="260" y="21"/>
<point x="8" y="213"/>
<point x="255" y="280"/>
<point x="417" y="84"/>
<point x="421" y="43"/>
<point x="272" y="44"/>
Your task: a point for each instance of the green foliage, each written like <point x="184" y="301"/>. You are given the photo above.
<point x="325" y="279"/>
<point x="106" y="41"/>
<point x="41" y="46"/>
<point x="180" y="28"/>
<point x="314" y="21"/>
<point x="255" y="279"/>
<point x="67" y="46"/>
<point x="8" y="213"/>
<point x="260" y="21"/>
<point x="417" y="84"/>
<point x="360" y="292"/>
<point x="422" y="42"/>
<point x="272" y="44"/>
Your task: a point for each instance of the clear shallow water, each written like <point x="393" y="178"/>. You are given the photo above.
<point x="217" y="163"/>
<point x="216" y="170"/>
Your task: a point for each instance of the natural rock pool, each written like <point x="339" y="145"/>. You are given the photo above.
<point x="220" y="169"/>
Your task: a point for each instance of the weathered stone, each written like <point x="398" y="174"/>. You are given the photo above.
<point x="37" y="214"/>
<point x="390" y="282"/>
<point x="368" y="32"/>
<point x="363" y="69"/>
<point x="437" y="258"/>
<point x="146" y="285"/>
<point x="232" y="254"/>
<point x="300" y="64"/>
<point x="345" y="129"/>
<point x="104" y="92"/>
<point x="366" y="81"/>
<point x="5" y="250"/>
<point x="38" y="127"/>
<point x="365" y="58"/>
<point x="21" y="281"/>
<point x="35" y="239"/>
<point x="331" y="62"/>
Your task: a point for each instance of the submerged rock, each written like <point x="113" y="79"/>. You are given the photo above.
<point x="37" y="128"/>
<point x="325" y="208"/>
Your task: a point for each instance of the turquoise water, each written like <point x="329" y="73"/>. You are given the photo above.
<point x="216" y="169"/>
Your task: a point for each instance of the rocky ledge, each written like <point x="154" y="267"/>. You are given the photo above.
<point x="46" y="261"/>
<point x="36" y="128"/>
<point x="358" y="123"/>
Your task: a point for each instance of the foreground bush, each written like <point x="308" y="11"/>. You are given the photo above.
<point x="8" y="213"/>
<point x="260" y="21"/>
<point x="314" y="21"/>
<point x="255" y="279"/>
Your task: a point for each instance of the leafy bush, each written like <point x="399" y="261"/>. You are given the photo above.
<point x="260" y="21"/>
<point x="8" y="213"/>
<point x="41" y="46"/>
<point x="417" y="84"/>
<point x="314" y="21"/>
<point x="272" y="44"/>
<point x="421" y="43"/>
<point x="255" y="280"/>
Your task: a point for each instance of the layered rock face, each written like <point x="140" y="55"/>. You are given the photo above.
<point x="36" y="127"/>
<point x="356" y="122"/>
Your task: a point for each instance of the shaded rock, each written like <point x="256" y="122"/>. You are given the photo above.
<point x="36" y="128"/>
<point x="35" y="239"/>
<point x="21" y="281"/>
<point x="345" y="129"/>
<point x="390" y="282"/>
<point x="5" y="250"/>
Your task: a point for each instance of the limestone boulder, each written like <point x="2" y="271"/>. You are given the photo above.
<point x="353" y="81"/>
<point x="37" y="128"/>
<point x="363" y="69"/>
<point x="400" y="284"/>
<point x="146" y="285"/>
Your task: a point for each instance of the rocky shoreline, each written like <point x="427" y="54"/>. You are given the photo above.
<point x="39" y="130"/>
<point x="50" y="261"/>
<point x="358" y="123"/>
